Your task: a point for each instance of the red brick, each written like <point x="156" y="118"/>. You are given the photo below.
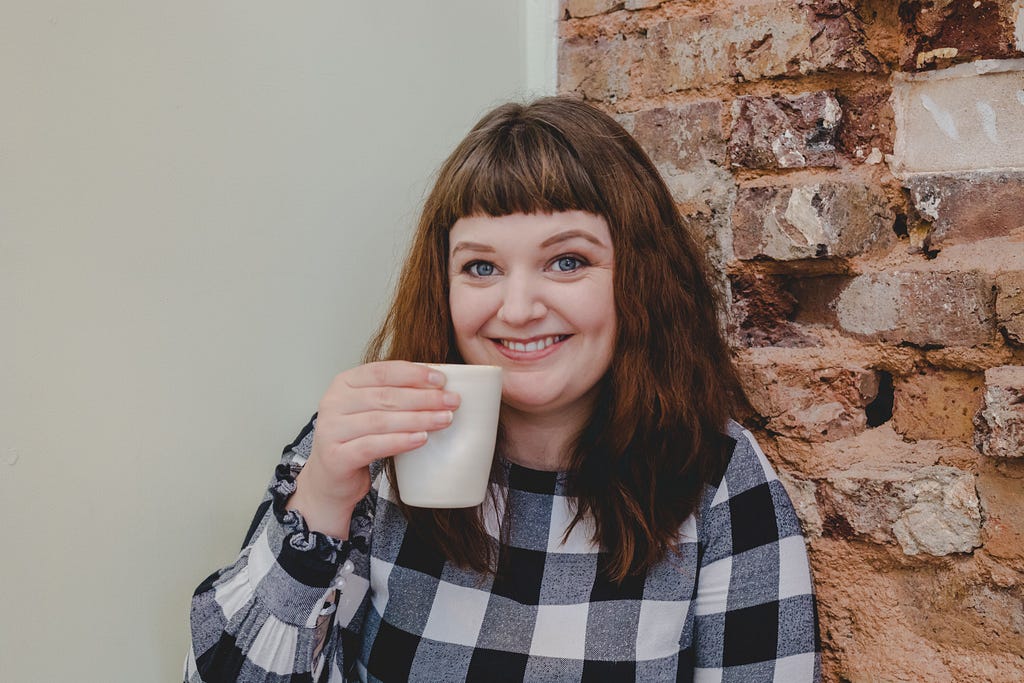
<point x="596" y="68"/>
<point x="809" y="398"/>
<point x="913" y="621"/>
<point x="930" y="510"/>
<point x="1000" y="423"/>
<point x="839" y="41"/>
<point x="784" y="131"/>
<point x="682" y="136"/>
<point x="1004" y="514"/>
<point x="761" y="311"/>
<point x="811" y="221"/>
<point x="1010" y="306"/>
<point x="924" y="308"/>
<point x="967" y="207"/>
<point x="750" y="42"/>
<point x="867" y="121"/>
<point x="971" y="29"/>
<point x="937" y="404"/>
<point x="589" y="8"/>
<point x="687" y="144"/>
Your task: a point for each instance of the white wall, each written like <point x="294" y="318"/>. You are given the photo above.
<point x="201" y="206"/>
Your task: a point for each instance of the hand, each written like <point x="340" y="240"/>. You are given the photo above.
<point x="370" y="412"/>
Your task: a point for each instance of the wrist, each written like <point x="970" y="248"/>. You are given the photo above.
<point x="322" y="514"/>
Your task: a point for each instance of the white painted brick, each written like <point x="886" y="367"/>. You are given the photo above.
<point x="968" y="117"/>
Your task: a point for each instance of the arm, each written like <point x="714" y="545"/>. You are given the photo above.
<point x="279" y="609"/>
<point x="755" y="614"/>
<point x="267" y="616"/>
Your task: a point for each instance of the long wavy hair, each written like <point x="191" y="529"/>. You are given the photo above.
<point x="656" y="435"/>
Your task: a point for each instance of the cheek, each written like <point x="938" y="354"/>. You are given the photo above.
<point x="594" y="310"/>
<point x="468" y="311"/>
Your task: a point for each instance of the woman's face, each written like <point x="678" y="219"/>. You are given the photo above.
<point x="533" y="293"/>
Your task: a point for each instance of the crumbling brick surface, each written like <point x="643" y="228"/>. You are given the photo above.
<point x="588" y="8"/>
<point x="874" y="281"/>
<point x="762" y="311"/>
<point x="943" y="32"/>
<point x="1000" y="423"/>
<point x="1010" y="306"/>
<point x="808" y="397"/>
<point x="938" y="404"/>
<point x="597" y="68"/>
<point x="930" y="510"/>
<point x="967" y="207"/>
<point x="731" y="43"/>
<point x="867" y="123"/>
<point x="921" y="308"/>
<point x="819" y="220"/>
<point x="785" y="132"/>
<point x="684" y="136"/>
<point x="999" y="486"/>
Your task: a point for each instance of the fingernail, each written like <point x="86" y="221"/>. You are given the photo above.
<point x="451" y="399"/>
<point x="444" y="418"/>
<point x="418" y="437"/>
<point x="436" y="378"/>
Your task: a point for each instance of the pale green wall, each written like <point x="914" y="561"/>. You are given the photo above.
<point x="201" y="206"/>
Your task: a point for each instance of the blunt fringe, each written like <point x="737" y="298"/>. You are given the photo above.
<point x="657" y="433"/>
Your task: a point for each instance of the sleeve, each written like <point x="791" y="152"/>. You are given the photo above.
<point x="289" y="606"/>
<point x="755" y="614"/>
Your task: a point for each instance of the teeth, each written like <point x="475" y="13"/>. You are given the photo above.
<point x="532" y="346"/>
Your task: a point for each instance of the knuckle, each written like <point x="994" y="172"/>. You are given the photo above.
<point x="388" y="398"/>
<point x="362" y="449"/>
<point x="379" y="373"/>
<point x="376" y="423"/>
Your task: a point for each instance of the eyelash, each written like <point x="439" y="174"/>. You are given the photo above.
<point x="469" y="268"/>
<point x="580" y="263"/>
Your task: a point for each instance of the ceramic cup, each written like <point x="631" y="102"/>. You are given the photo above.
<point x="451" y="469"/>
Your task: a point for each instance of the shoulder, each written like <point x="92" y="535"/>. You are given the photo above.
<point x="747" y="466"/>
<point x="749" y="499"/>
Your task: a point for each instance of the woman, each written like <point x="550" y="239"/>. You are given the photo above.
<point x="632" y="530"/>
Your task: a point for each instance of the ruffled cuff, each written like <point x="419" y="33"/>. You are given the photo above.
<point x="312" y="557"/>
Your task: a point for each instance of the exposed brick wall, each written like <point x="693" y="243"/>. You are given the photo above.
<point x="856" y="171"/>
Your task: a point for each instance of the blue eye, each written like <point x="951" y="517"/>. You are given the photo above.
<point x="480" y="268"/>
<point x="568" y="264"/>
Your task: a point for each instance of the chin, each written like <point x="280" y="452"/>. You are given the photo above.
<point x="530" y="403"/>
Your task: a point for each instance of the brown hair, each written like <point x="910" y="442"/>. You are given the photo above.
<point x="656" y="435"/>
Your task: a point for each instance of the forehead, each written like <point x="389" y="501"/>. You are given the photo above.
<point x="533" y="230"/>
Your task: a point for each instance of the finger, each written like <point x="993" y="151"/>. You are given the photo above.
<point x="368" y="399"/>
<point x="394" y="373"/>
<point x="367" y="449"/>
<point x="352" y="427"/>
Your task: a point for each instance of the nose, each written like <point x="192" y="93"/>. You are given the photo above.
<point x="522" y="301"/>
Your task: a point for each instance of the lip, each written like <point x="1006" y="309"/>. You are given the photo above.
<point x="529" y="355"/>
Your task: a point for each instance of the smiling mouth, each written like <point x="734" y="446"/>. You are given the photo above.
<point x="532" y="345"/>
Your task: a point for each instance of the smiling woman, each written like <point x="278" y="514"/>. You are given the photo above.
<point x="632" y="530"/>
<point x="533" y="294"/>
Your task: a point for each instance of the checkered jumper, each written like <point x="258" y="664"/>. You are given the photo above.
<point x="734" y="603"/>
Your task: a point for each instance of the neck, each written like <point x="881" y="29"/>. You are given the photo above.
<point x="540" y="442"/>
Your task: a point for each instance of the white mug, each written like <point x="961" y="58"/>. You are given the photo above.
<point x="452" y="468"/>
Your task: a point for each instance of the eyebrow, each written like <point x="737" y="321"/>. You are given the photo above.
<point x="473" y="246"/>
<point x="564" y="236"/>
<point x="571" y="234"/>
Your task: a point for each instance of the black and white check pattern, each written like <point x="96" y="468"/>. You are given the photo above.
<point x="735" y="603"/>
